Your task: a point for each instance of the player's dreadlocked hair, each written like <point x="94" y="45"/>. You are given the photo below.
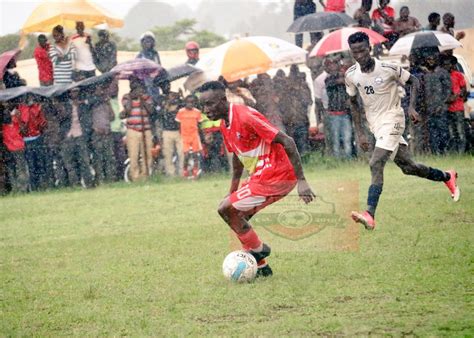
<point x="211" y="85"/>
<point x="358" y="37"/>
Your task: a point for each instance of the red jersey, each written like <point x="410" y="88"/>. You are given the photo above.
<point x="250" y="136"/>
<point x="457" y="82"/>
<point x="45" y="66"/>
<point x="34" y="119"/>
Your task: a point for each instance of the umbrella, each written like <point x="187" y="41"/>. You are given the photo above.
<point x="336" y="41"/>
<point x="66" y="12"/>
<point x="5" y="58"/>
<point x="178" y="72"/>
<point x="240" y="58"/>
<point x="320" y="21"/>
<point x="424" y="39"/>
<point x="141" y="68"/>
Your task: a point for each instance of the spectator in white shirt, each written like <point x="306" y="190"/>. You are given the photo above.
<point x="84" y="67"/>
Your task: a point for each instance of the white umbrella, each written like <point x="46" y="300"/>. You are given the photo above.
<point x="252" y="55"/>
<point x="424" y="39"/>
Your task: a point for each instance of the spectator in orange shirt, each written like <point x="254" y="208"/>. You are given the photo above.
<point x="334" y="5"/>
<point x="189" y="118"/>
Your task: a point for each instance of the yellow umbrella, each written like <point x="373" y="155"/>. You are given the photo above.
<point x="66" y="12"/>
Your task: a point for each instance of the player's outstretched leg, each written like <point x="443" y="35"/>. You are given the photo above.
<point x="404" y="160"/>
<point x="247" y="236"/>
<point x="377" y="165"/>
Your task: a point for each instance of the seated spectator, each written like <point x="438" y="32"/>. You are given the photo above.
<point x="384" y="17"/>
<point x="334" y="5"/>
<point x="17" y="169"/>
<point x="84" y="65"/>
<point x="189" y="118"/>
<point x="102" y="142"/>
<point x="137" y="110"/>
<point x="192" y="51"/>
<point x="457" y="135"/>
<point x="11" y="78"/>
<point x="406" y="24"/>
<point x="434" y="20"/>
<point x="45" y="67"/>
<point x="32" y="117"/>
<point x="63" y="55"/>
<point x="448" y="26"/>
<point x="75" y="123"/>
<point x="105" y="52"/>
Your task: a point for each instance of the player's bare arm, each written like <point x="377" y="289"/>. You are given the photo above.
<point x="357" y="112"/>
<point x="414" y="84"/>
<point x="304" y="190"/>
<point x="237" y="169"/>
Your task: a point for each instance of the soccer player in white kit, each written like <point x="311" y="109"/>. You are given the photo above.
<point x="378" y="85"/>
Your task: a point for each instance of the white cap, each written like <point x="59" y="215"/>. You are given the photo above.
<point x="148" y="34"/>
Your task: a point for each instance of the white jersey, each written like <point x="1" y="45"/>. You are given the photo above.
<point x="379" y="91"/>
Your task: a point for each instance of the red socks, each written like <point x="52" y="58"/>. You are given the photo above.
<point x="250" y="240"/>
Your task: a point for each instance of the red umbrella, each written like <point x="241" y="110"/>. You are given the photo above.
<point x="141" y="68"/>
<point x="6" y="57"/>
<point x="337" y="41"/>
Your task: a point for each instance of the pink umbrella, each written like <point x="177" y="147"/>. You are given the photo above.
<point x="6" y="57"/>
<point x="141" y="68"/>
<point x="337" y="41"/>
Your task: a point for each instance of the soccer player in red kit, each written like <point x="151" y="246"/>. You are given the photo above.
<point x="271" y="159"/>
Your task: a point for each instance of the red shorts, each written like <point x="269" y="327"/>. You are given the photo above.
<point x="191" y="143"/>
<point x="249" y="202"/>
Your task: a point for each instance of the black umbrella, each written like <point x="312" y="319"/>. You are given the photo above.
<point x="175" y="73"/>
<point x="319" y="22"/>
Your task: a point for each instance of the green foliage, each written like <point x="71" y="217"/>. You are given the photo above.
<point x="175" y="37"/>
<point x="145" y="260"/>
<point x="11" y="41"/>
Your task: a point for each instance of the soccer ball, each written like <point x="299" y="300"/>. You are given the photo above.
<point x="239" y="266"/>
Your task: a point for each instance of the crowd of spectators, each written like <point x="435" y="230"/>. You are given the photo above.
<point x="84" y="138"/>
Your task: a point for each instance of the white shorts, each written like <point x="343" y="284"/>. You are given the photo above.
<point x="389" y="136"/>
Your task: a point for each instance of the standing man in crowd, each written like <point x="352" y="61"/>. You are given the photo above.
<point x="377" y="83"/>
<point x="137" y="110"/>
<point x="302" y="8"/>
<point x="438" y="88"/>
<point x="63" y="56"/>
<point x="84" y="67"/>
<point x="406" y="24"/>
<point x="192" y="52"/>
<point x="434" y="20"/>
<point x="457" y="134"/>
<point x="105" y="52"/>
<point x="45" y="67"/>
<point x="448" y="27"/>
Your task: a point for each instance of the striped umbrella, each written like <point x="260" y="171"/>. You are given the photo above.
<point x="336" y="41"/>
<point x="242" y="57"/>
<point x="141" y="68"/>
<point x="424" y="39"/>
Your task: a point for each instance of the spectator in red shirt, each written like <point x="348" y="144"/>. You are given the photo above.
<point x="34" y="122"/>
<point x="45" y="66"/>
<point x="383" y="18"/>
<point x="334" y="5"/>
<point x="457" y="135"/>
<point x="15" y="157"/>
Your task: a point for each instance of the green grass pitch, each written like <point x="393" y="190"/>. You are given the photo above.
<point x="145" y="260"/>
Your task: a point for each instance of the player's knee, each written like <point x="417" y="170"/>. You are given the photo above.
<point x="224" y="208"/>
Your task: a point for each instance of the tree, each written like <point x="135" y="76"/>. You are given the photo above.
<point x="174" y="37"/>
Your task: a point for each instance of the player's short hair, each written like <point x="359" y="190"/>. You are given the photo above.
<point x="190" y="96"/>
<point x="404" y="7"/>
<point x="58" y="29"/>
<point x="211" y="85"/>
<point x="358" y="37"/>
<point x="433" y="17"/>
